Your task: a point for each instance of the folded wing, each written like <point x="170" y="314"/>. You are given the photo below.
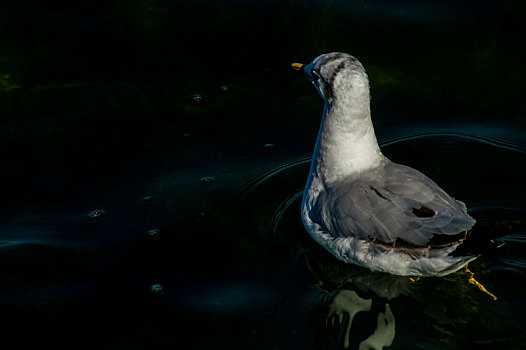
<point x="394" y="203"/>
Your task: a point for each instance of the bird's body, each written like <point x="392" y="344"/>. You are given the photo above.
<point x="362" y="207"/>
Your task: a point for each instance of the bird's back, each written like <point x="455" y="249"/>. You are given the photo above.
<point x="389" y="204"/>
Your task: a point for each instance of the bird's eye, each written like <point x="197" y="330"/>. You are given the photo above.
<point x="315" y="75"/>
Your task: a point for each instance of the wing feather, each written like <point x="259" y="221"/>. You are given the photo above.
<point x="382" y="206"/>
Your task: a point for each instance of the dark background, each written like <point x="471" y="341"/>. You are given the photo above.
<point x="109" y="83"/>
<point x="98" y="108"/>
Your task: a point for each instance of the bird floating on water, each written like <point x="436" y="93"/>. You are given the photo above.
<point x="359" y="205"/>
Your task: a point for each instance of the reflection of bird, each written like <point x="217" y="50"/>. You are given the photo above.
<point x="359" y="205"/>
<point x="449" y="302"/>
<point x="347" y="301"/>
<point x="350" y="303"/>
<point x="384" y="333"/>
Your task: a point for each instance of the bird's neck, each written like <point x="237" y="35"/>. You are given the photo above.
<point x="346" y="143"/>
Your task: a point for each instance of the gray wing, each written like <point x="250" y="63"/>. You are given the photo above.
<point x="395" y="202"/>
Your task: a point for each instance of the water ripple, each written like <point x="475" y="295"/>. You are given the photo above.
<point x="515" y="238"/>
<point x="514" y="262"/>
<point x="255" y="182"/>
<point x="492" y="141"/>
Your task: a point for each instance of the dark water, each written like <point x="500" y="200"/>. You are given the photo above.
<point x="180" y="127"/>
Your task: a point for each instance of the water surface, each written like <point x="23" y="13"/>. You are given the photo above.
<point x="154" y="154"/>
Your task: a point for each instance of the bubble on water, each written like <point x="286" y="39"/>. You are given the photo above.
<point x="224" y="88"/>
<point x="186" y="134"/>
<point x="197" y="97"/>
<point x="207" y="180"/>
<point x="147" y="198"/>
<point x="157" y="288"/>
<point x="268" y="145"/>
<point x="96" y="214"/>
<point x="153" y="232"/>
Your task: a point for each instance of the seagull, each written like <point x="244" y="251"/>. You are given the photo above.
<point x="360" y="206"/>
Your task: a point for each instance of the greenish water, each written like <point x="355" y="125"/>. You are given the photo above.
<point x="182" y="126"/>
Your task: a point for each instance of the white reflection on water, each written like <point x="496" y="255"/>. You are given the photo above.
<point x="384" y="333"/>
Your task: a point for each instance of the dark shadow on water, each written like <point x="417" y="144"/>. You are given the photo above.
<point x="217" y="255"/>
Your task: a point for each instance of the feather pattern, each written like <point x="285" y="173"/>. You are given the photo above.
<point x="381" y="205"/>
<point x="362" y="207"/>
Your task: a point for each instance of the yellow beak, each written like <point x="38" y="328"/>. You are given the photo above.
<point x="297" y="66"/>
